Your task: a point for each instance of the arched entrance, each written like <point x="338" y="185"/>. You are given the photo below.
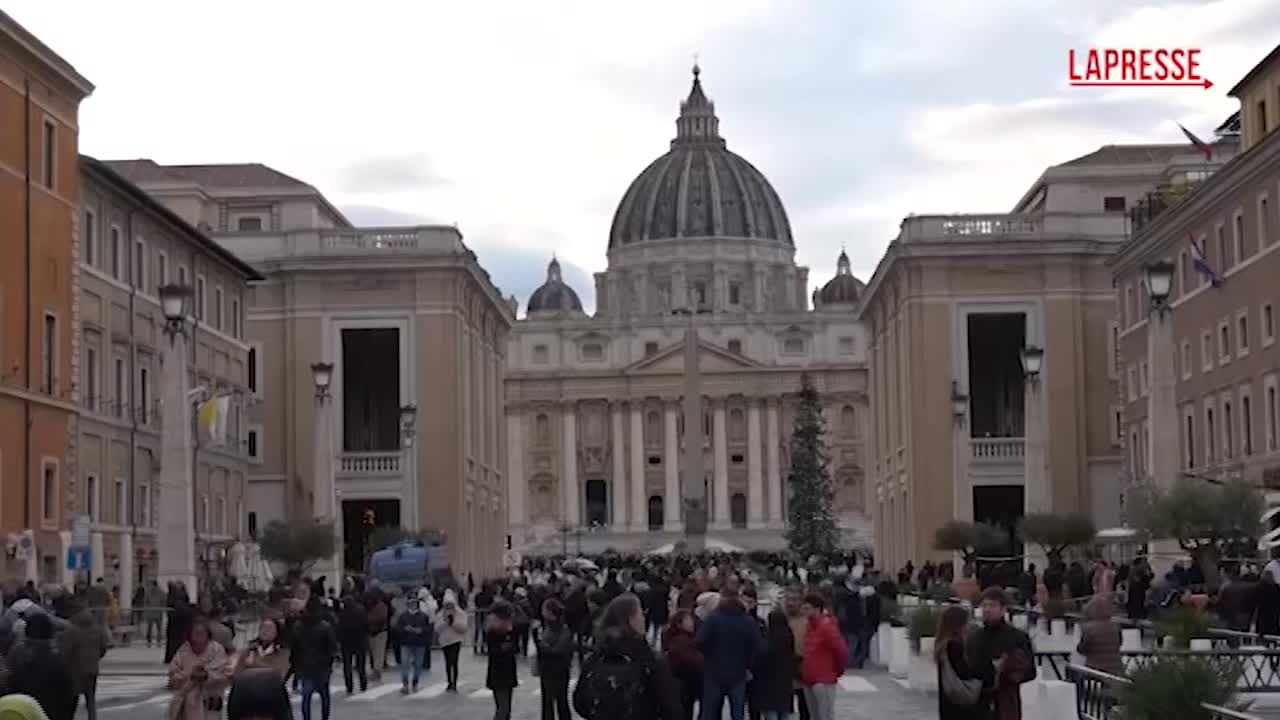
<point x="655" y="512"/>
<point x="597" y="504"/>
<point x="738" y="510"/>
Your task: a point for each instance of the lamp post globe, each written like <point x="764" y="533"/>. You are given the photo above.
<point x="322" y="374"/>
<point x="408" y="415"/>
<point x="1159" y="281"/>
<point x="959" y="401"/>
<point x="1032" y="359"/>
<point x="173" y="304"/>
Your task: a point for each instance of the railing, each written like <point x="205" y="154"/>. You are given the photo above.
<point x="997" y="449"/>
<point x="379" y="241"/>
<point x="370" y="463"/>
<point x="376" y="239"/>
<point x="1098" y="696"/>
<point x="1013" y="226"/>
<point x="1259" y="670"/>
<point x="1159" y="200"/>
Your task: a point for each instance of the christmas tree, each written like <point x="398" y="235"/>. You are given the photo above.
<point x="812" y="528"/>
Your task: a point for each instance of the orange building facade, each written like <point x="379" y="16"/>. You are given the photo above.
<point x="40" y="95"/>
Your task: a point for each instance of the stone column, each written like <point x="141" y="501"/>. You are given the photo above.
<point x="671" y="469"/>
<point x="720" y="466"/>
<point x="323" y="497"/>
<point x="176" y="534"/>
<point x="962" y="490"/>
<point x="1035" y="492"/>
<point x="1162" y="400"/>
<point x="517" y="485"/>
<point x="569" y="464"/>
<point x="128" y="574"/>
<point x="639" y="499"/>
<point x="618" y="486"/>
<point x="755" y="478"/>
<point x="773" y="474"/>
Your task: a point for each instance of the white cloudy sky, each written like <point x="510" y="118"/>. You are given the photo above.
<point x="524" y="121"/>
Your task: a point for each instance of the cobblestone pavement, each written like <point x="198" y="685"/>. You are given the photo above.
<point x="865" y="695"/>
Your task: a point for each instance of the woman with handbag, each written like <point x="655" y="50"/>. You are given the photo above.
<point x="959" y="688"/>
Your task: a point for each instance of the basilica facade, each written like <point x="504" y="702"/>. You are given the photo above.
<point x="701" y="285"/>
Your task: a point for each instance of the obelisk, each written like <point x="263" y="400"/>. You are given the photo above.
<point x="694" y="490"/>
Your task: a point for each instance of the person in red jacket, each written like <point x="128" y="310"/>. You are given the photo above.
<point x="825" y="655"/>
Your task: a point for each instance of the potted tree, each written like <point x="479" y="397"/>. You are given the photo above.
<point x="969" y="540"/>
<point x="1179" y="686"/>
<point x="922" y="626"/>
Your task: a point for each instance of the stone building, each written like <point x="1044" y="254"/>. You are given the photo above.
<point x="966" y="424"/>
<point x="700" y="248"/>
<point x="407" y="317"/>
<point x="131" y="245"/>
<point x="1201" y="364"/>
<point x="40" y="95"/>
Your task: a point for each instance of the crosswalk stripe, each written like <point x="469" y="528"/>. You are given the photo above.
<point x="431" y="691"/>
<point x="481" y="693"/>
<point x="377" y="692"/>
<point x="853" y="683"/>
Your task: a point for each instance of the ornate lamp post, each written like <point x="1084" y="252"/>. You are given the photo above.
<point x="1032" y="360"/>
<point x="324" y="499"/>
<point x="176" y="538"/>
<point x="1159" y="276"/>
<point x="1035" y="490"/>
<point x="408" y="416"/>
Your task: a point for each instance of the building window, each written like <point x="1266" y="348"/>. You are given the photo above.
<point x="592" y="352"/>
<point x="1113" y="353"/>
<point x="49" y="492"/>
<point x="700" y="293"/>
<point x="1224" y="259"/>
<point x="1268" y="325"/>
<point x="220" y="514"/>
<point x="235" y="318"/>
<point x="793" y="346"/>
<point x="844" y="346"/>
<point x="162" y="269"/>
<point x="542" y="430"/>
<point x="1228" y="430"/>
<point x="252" y="370"/>
<point x="735" y="346"/>
<point x="1237" y="237"/>
<point x="1132" y="384"/>
<point x="118" y="387"/>
<point x="541" y="356"/>
<point x="117" y="253"/>
<point x="1113" y="203"/>
<point x="144" y="505"/>
<point x="1189" y="438"/>
<point x="1246" y="422"/>
<point x="253" y="524"/>
<point x="255" y="452"/>
<point x="1210" y="434"/>
<point x="1242" y="333"/>
<point x="1271" y="412"/>
<point x="1129" y="311"/>
<point x="204" y="514"/>
<point x="1264" y="223"/>
<point x="200" y="298"/>
<point x="49" y="354"/>
<point x="217" y="308"/>
<point x="1224" y="342"/>
<point x="118" y="503"/>
<point x="650" y="349"/>
<point x="90" y="396"/>
<point x="48" y="153"/>
<point x="1206" y="351"/>
<point x="90" y="236"/>
<point x="1144" y="378"/>
<point x="182" y="275"/>
<point x="735" y="293"/>
<point x="140" y="264"/>
<point x="1185" y="355"/>
<point x="91" y="496"/>
<point x="1184" y="273"/>
<point x="1262" y="116"/>
<point x="251" y="223"/>
<point x="144" y="395"/>
<point x="1117" y="425"/>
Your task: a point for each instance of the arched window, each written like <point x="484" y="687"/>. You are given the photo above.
<point x="848" y="421"/>
<point x="738" y="510"/>
<point x="541" y="430"/>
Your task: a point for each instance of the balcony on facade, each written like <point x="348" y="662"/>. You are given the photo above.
<point x="370" y="456"/>
<point x="1165" y="197"/>
<point x="1012" y="226"/>
<point x="997" y="417"/>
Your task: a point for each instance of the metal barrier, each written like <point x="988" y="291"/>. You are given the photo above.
<point x="1257" y="669"/>
<point x="1098" y="697"/>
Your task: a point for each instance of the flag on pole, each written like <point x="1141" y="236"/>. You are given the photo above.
<point x="207" y="417"/>
<point x="1200" y="145"/>
<point x="1201" y="262"/>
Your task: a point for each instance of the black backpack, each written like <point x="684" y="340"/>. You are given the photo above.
<point x="613" y="686"/>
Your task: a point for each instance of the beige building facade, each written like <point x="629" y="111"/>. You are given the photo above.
<point x="407" y="317"/>
<point x="131" y="245"/>
<point x="701" y="269"/>
<point x="1202" y="367"/>
<point x="958" y="429"/>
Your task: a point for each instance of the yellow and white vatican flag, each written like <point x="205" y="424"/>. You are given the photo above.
<point x="207" y="418"/>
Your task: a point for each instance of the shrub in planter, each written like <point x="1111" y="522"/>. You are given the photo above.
<point x="1184" y="624"/>
<point x="922" y="623"/>
<point x="1174" y="686"/>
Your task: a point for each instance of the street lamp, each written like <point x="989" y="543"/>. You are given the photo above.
<point x="173" y="303"/>
<point x="959" y="402"/>
<point x="1032" y="359"/>
<point x="408" y="414"/>
<point x="1159" y="283"/>
<point x="322" y="373"/>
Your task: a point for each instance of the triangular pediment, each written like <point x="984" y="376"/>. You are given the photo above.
<point x="711" y="358"/>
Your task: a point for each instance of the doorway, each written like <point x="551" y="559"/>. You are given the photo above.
<point x="738" y="510"/>
<point x="359" y="519"/>
<point x="655" y="512"/>
<point x="597" y="502"/>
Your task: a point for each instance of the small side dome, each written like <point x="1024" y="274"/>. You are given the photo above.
<point x="554" y="295"/>
<point x="843" y="289"/>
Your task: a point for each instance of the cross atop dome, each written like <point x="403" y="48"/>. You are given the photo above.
<point x="553" y="270"/>
<point x="697" y="122"/>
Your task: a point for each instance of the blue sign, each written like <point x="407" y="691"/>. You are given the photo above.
<point x="78" y="557"/>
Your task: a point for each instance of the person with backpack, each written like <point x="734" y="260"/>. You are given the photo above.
<point x="622" y="678"/>
<point x="555" y="648"/>
<point x="824" y="658"/>
<point x="414" y="629"/>
<point x="375" y="604"/>
<point x="501" y="645"/>
<point x="729" y="640"/>
<point x="353" y="636"/>
<point x="685" y="659"/>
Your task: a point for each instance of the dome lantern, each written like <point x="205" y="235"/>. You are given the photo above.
<point x="554" y="296"/>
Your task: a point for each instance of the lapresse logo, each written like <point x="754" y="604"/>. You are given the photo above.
<point x="1135" y="67"/>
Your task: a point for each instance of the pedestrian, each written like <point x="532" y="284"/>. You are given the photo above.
<point x="824" y="658"/>
<point x="153" y="613"/>
<point x="83" y="646"/>
<point x="198" y="674"/>
<point x="622" y="678"/>
<point x="685" y="660"/>
<point x="775" y="669"/>
<point x="1100" y="637"/>
<point x="729" y="640"/>
<point x="451" y="630"/>
<point x="353" y="637"/>
<point x="313" y="654"/>
<point x="37" y="669"/>
<point x="949" y="655"/>
<point x="555" y="646"/>
<point x="264" y="651"/>
<point x="501" y="646"/>
<point x="413" y="630"/>
<point x="1001" y="654"/>
<point x="375" y="603"/>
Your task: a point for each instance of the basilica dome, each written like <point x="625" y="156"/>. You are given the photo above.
<point x="843" y="289"/>
<point x="554" y="295"/>
<point x="699" y="188"/>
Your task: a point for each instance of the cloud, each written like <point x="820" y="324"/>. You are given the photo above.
<point x="389" y="174"/>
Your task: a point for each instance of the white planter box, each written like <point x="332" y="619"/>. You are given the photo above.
<point x="922" y="674"/>
<point x="900" y="659"/>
